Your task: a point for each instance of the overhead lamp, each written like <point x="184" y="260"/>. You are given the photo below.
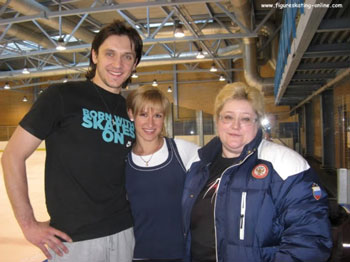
<point x="60" y="44"/>
<point x="65" y="80"/>
<point x="25" y="71"/>
<point x="134" y="75"/>
<point x="25" y="99"/>
<point x="7" y="86"/>
<point x="200" y="54"/>
<point x="170" y="89"/>
<point x="154" y="83"/>
<point x="222" y="78"/>
<point x="213" y="68"/>
<point x="265" y="122"/>
<point x="178" y="32"/>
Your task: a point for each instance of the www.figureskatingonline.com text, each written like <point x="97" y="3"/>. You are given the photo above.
<point x="301" y="5"/>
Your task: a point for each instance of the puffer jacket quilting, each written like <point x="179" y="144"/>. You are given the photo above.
<point x="269" y="206"/>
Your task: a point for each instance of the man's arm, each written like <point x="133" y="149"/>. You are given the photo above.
<point x="21" y="145"/>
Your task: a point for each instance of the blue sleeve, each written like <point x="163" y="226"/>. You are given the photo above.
<point x="303" y="213"/>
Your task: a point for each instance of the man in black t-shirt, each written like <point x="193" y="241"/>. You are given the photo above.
<point x="87" y="134"/>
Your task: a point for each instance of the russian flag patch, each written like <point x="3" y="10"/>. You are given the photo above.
<point x="316" y="191"/>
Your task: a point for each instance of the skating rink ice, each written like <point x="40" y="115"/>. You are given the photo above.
<point x="13" y="246"/>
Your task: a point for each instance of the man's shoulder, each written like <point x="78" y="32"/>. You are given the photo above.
<point x="68" y="88"/>
<point x="71" y="84"/>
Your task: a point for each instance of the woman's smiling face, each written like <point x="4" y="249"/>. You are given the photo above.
<point x="237" y="125"/>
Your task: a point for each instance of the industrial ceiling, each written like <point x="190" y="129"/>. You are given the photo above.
<point x="225" y="31"/>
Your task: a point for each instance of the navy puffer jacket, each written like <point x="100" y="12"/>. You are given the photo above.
<point x="268" y="207"/>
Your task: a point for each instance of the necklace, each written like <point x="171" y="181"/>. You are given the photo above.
<point x="105" y="104"/>
<point x="157" y="148"/>
<point x="147" y="161"/>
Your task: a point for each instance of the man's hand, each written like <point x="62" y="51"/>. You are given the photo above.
<point x="21" y="146"/>
<point x="42" y="235"/>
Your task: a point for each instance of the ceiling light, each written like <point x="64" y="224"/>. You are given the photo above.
<point x="222" y="78"/>
<point x="169" y="89"/>
<point x="265" y="123"/>
<point x="154" y="83"/>
<point x="134" y="75"/>
<point x="200" y="55"/>
<point x="60" y="44"/>
<point x="25" y="71"/>
<point x="25" y="99"/>
<point x="7" y="86"/>
<point x="179" y="33"/>
<point x="213" y="68"/>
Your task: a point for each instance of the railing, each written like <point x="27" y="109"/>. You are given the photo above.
<point x="192" y="125"/>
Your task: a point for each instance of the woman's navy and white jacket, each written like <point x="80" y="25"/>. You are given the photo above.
<point x="268" y="207"/>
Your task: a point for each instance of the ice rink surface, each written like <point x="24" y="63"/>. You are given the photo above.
<point x="13" y="246"/>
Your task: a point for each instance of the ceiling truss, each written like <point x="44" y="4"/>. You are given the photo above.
<point x="212" y="30"/>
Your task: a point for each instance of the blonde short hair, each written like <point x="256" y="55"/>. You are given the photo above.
<point x="239" y="91"/>
<point x="144" y="97"/>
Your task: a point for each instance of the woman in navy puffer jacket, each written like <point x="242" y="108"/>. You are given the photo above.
<point x="249" y="199"/>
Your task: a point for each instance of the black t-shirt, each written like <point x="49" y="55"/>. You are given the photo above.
<point x="85" y="158"/>
<point x="202" y="216"/>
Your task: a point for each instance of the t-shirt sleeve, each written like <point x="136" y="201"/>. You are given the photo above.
<point x="44" y="115"/>
<point x="188" y="152"/>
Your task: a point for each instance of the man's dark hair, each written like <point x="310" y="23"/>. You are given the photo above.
<point x="117" y="27"/>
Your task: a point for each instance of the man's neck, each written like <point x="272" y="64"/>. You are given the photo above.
<point x="114" y="90"/>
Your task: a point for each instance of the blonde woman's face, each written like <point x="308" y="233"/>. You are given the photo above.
<point x="149" y="123"/>
<point x="237" y="125"/>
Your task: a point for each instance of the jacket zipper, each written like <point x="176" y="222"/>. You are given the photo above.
<point x="242" y="218"/>
<point x="216" y="240"/>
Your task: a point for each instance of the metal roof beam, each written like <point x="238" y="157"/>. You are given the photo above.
<point x="101" y="9"/>
<point x="332" y="25"/>
<point x="74" y="67"/>
<point x="327" y="50"/>
<point x="233" y="17"/>
<point x="338" y="78"/>
<point x="197" y="33"/>
<point x="319" y="66"/>
<point x="303" y="89"/>
<point x="307" y="27"/>
<point x="299" y="76"/>
<point x="77" y="78"/>
<point x="86" y="47"/>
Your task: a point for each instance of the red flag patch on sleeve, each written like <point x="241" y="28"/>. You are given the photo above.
<point x="316" y="191"/>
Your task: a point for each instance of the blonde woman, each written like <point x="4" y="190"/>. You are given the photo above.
<point x="155" y="175"/>
<point x="248" y="199"/>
